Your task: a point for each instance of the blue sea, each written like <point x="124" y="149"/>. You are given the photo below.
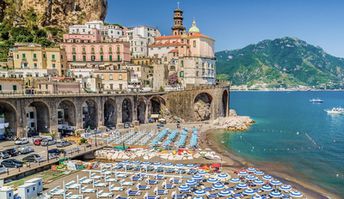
<point x="291" y="131"/>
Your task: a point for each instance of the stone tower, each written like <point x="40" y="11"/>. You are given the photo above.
<point x="178" y="28"/>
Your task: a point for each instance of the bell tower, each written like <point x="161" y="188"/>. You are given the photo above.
<point x="178" y="28"/>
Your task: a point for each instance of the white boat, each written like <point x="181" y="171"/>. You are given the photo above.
<point x="335" y="111"/>
<point x="316" y="101"/>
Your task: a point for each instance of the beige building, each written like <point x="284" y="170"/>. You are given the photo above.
<point x="11" y="85"/>
<point x="34" y="57"/>
<point x="112" y="80"/>
<point x="54" y="86"/>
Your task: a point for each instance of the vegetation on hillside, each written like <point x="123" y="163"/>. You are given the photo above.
<point x="285" y="62"/>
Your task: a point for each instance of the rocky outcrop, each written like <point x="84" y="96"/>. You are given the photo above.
<point x="166" y="114"/>
<point x="56" y="13"/>
<point x="202" y="110"/>
<point x="233" y="122"/>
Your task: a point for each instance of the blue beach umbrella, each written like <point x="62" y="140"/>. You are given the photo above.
<point x="275" y="194"/>
<point x="199" y="192"/>
<point x="223" y="175"/>
<point x="256" y="197"/>
<point x="266" y="188"/>
<point x="191" y="182"/>
<point x="242" y="173"/>
<point x="258" y="182"/>
<point x="249" y="192"/>
<point x="212" y="180"/>
<point x="259" y="173"/>
<point x="198" y="197"/>
<point x="180" y="165"/>
<point x="275" y="182"/>
<point x="285" y="187"/>
<point x="201" y="172"/>
<point x="224" y="193"/>
<point x="295" y="194"/>
<point x="190" y="165"/>
<point x="197" y="177"/>
<point x="250" y="177"/>
<point x="184" y="187"/>
<point x="267" y="177"/>
<point x="168" y="164"/>
<point x="234" y="180"/>
<point x="218" y="185"/>
<point x="241" y="186"/>
<point x="251" y="170"/>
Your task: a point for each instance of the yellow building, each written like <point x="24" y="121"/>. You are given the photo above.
<point x="112" y="80"/>
<point x="35" y="58"/>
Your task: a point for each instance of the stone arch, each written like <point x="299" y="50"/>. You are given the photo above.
<point x="110" y="113"/>
<point x="202" y="106"/>
<point x="89" y="114"/>
<point x="225" y="103"/>
<point x="127" y="111"/>
<point x="8" y="116"/>
<point x="155" y="104"/>
<point x="37" y="118"/>
<point x="66" y="113"/>
<point x="141" y="110"/>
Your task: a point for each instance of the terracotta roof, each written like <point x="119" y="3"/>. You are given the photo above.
<point x="193" y="35"/>
<point x="167" y="44"/>
<point x="173" y="51"/>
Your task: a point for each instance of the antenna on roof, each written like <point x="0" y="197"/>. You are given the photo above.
<point x="178" y="4"/>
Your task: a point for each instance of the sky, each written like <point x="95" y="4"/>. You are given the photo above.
<point x="237" y="23"/>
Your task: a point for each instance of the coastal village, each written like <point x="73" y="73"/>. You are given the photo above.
<point x="111" y="146"/>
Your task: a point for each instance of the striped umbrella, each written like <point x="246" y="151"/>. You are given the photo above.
<point x="266" y="188"/>
<point x="218" y="185"/>
<point x="168" y="164"/>
<point x="191" y="182"/>
<point x="259" y="173"/>
<point x="223" y="175"/>
<point x="285" y="187"/>
<point x="184" y="187"/>
<point x="201" y="172"/>
<point x="197" y="177"/>
<point x="180" y="165"/>
<point x="275" y="194"/>
<point x="275" y="182"/>
<point x="212" y="180"/>
<point x="234" y="180"/>
<point x="295" y="194"/>
<point x="198" y="197"/>
<point x="199" y="192"/>
<point x="241" y="186"/>
<point x="249" y="192"/>
<point x="250" y="177"/>
<point x="224" y="193"/>
<point x="190" y="165"/>
<point x="258" y="182"/>
<point x="242" y="173"/>
<point x="256" y="196"/>
<point x="267" y="177"/>
<point x="251" y="170"/>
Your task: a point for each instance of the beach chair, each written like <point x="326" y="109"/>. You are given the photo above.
<point x="175" y="181"/>
<point x="152" y="182"/>
<point x="136" y="178"/>
<point x="126" y="183"/>
<point x="102" y="194"/>
<point x="160" y="192"/>
<point x="142" y="187"/>
<point x="113" y="188"/>
<point x="133" y="192"/>
<point x="87" y="190"/>
<point x="147" y="196"/>
<point x="175" y="195"/>
<point x="121" y="197"/>
<point x="160" y="177"/>
<point x="168" y="186"/>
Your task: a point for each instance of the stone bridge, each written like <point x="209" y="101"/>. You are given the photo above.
<point x="45" y="112"/>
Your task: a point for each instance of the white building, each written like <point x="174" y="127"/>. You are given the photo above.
<point x="140" y="37"/>
<point x="27" y="191"/>
<point x="38" y="183"/>
<point x="6" y="193"/>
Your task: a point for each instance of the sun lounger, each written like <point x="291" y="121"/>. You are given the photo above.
<point x="133" y="192"/>
<point x="136" y="178"/>
<point x="174" y="195"/>
<point x="127" y="183"/>
<point x="143" y="187"/>
<point x="113" y="188"/>
<point x="160" y="192"/>
<point x="87" y="190"/>
<point x="102" y="194"/>
<point x="152" y="182"/>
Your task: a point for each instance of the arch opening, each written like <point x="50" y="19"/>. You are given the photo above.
<point x="202" y="107"/>
<point x="156" y="104"/>
<point x="225" y="103"/>
<point x="127" y="111"/>
<point x="8" y="121"/>
<point x="38" y="118"/>
<point x="141" y="111"/>
<point x="110" y="116"/>
<point x="89" y="114"/>
<point x="66" y="117"/>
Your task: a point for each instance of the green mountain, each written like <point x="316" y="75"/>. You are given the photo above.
<point x="285" y="62"/>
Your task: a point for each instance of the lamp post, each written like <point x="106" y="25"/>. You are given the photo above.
<point x="95" y="137"/>
<point x="48" y="152"/>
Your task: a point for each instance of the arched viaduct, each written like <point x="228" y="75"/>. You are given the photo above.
<point x="95" y="110"/>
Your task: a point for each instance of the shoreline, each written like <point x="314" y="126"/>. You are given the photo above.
<point x="272" y="90"/>
<point x="211" y="139"/>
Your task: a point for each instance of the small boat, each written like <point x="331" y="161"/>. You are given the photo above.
<point x="335" y="111"/>
<point x="316" y="101"/>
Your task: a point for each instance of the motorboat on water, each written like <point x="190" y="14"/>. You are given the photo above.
<point x="316" y="100"/>
<point x="335" y="111"/>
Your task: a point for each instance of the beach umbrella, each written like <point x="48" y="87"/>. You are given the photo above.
<point x="259" y="173"/>
<point x="184" y="187"/>
<point x="256" y="196"/>
<point x="241" y="186"/>
<point x="275" y="194"/>
<point x="267" y="177"/>
<point x="199" y="192"/>
<point x="224" y="193"/>
<point x="218" y="185"/>
<point x="250" y="177"/>
<point x="190" y="165"/>
<point x="275" y="182"/>
<point x="242" y="173"/>
<point x="180" y="165"/>
<point x="248" y="192"/>
<point x="285" y="187"/>
<point x="258" y="182"/>
<point x="191" y="182"/>
<point x="212" y="180"/>
<point x="266" y="188"/>
<point x="201" y="172"/>
<point x="223" y="175"/>
<point x="251" y="170"/>
<point x="295" y="194"/>
<point x="234" y="180"/>
<point x="198" y="197"/>
<point x="197" y="177"/>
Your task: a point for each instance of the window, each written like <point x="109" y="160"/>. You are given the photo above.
<point x="32" y="115"/>
<point x="14" y="87"/>
<point x="17" y="56"/>
<point x="73" y="50"/>
<point x="93" y="58"/>
<point x="53" y="56"/>
<point x="83" y="49"/>
<point x="35" y="65"/>
<point x="101" y="57"/>
<point x="84" y="58"/>
<point x="118" y="58"/>
<point x="111" y="77"/>
<point x="53" y="66"/>
<point x="34" y="56"/>
<point x="92" y="49"/>
<point x="120" y="86"/>
<point x="28" y="190"/>
<point x="74" y="58"/>
<point x="120" y="76"/>
<point x="110" y="57"/>
<point x="0" y="87"/>
<point x="181" y="74"/>
<point x="110" y="49"/>
<point x="24" y="56"/>
<point x="194" y="44"/>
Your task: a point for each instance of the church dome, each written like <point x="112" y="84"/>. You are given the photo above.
<point x="194" y="28"/>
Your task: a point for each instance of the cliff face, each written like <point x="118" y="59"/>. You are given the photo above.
<point x="55" y="13"/>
